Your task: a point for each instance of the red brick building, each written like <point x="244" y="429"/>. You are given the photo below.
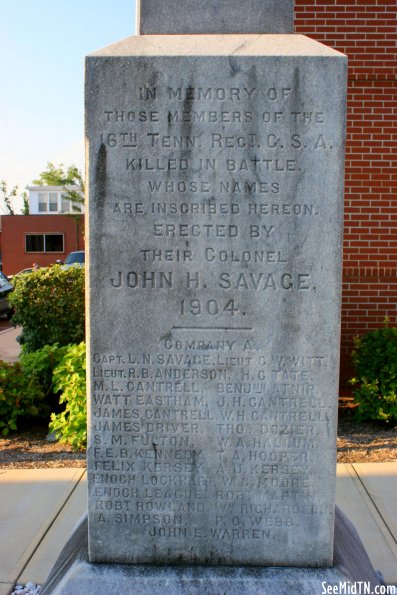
<point x="54" y="228"/>
<point x="43" y="239"/>
<point x="365" y="30"/>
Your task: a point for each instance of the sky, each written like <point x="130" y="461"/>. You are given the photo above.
<point x="42" y="48"/>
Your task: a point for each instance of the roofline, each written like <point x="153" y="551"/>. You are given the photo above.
<point x="49" y="188"/>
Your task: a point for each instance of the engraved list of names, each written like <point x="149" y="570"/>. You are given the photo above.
<point x="214" y="248"/>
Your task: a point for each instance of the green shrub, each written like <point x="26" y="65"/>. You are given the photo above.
<point x="375" y="360"/>
<point x="42" y="362"/>
<point x="69" y="378"/>
<point x="39" y="365"/>
<point x="49" y="305"/>
<point x="20" y="396"/>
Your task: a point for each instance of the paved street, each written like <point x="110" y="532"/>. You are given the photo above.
<point x="4" y="324"/>
<point x="9" y="347"/>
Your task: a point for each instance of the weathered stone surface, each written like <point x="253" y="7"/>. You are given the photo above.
<point x="207" y="16"/>
<point x="215" y="212"/>
<point x="74" y="574"/>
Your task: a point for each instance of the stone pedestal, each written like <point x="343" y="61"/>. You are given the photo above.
<point x="214" y="240"/>
<point x="73" y="573"/>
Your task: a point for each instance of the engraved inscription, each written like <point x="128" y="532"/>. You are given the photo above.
<point x="212" y="364"/>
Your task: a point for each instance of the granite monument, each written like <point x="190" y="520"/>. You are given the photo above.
<point x="209" y="17"/>
<point x="215" y="218"/>
<point x="215" y="176"/>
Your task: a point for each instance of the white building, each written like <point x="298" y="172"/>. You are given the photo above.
<point x="52" y="200"/>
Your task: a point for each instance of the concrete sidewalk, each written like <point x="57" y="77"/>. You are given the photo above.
<point x="9" y="347"/>
<point x="40" y="507"/>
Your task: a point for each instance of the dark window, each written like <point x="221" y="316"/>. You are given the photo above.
<point x="44" y="242"/>
<point x="3" y="280"/>
<point x="35" y="243"/>
<point x="53" y="243"/>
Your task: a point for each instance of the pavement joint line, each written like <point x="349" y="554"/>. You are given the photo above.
<point x="7" y="330"/>
<point x="50" y="526"/>
<point x="374" y="504"/>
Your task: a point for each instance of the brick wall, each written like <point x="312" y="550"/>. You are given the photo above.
<point x="15" y="228"/>
<point x="366" y="30"/>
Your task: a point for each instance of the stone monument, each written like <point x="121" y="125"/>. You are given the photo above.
<point x="215" y="175"/>
<point x="209" y="17"/>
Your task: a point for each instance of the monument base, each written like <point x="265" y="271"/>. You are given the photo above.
<point x="73" y="573"/>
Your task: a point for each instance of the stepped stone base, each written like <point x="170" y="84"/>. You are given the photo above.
<point x="73" y="573"/>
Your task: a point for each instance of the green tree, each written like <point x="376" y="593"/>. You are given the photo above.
<point x="8" y="197"/>
<point x="25" y="201"/>
<point x="69" y="178"/>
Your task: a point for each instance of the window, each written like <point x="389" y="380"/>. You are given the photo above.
<point x="53" y="202"/>
<point x="48" y="202"/>
<point x="65" y="204"/>
<point x="44" y="242"/>
<point x="43" y="202"/>
<point x="57" y="201"/>
<point x="3" y="280"/>
<point x="34" y="243"/>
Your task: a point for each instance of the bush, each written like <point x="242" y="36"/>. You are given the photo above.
<point x="39" y="365"/>
<point x="375" y="360"/>
<point x="69" y="378"/>
<point x="20" y="396"/>
<point x="51" y="378"/>
<point x="49" y="305"/>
